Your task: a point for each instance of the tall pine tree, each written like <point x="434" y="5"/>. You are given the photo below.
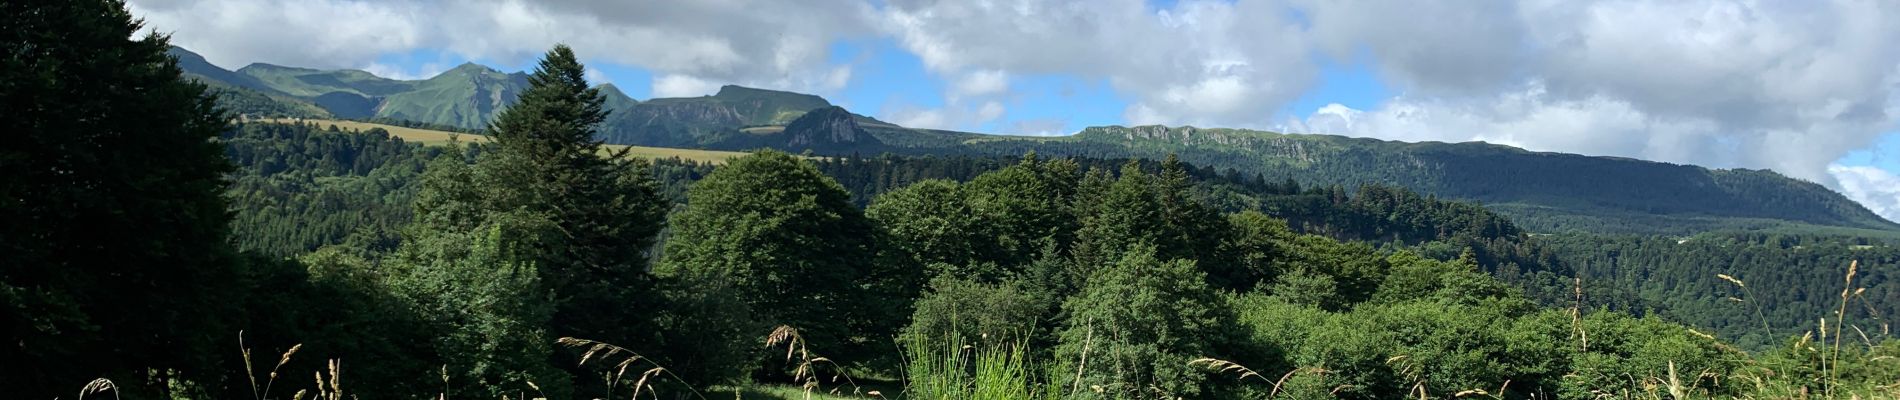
<point x="558" y="205"/>
<point x="114" y="256"/>
<point x="547" y="161"/>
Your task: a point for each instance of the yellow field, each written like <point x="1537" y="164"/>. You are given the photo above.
<point x="436" y="138"/>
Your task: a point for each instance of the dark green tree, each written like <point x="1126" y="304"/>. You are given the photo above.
<point x="928" y="224"/>
<point x="1140" y="321"/>
<point x="569" y="222"/>
<point x="114" y="255"/>
<point x="1023" y="208"/>
<point x="787" y="241"/>
<point x="605" y="205"/>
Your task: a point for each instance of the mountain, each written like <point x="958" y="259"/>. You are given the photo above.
<point x="1547" y="192"/>
<point x="306" y="82"/>
<point x="706" y="121"/>
<point x="616" y="99"/>
<point x="466" y="96"/>
<point x="1543" y="192"/>
<point x="242" y="94"/>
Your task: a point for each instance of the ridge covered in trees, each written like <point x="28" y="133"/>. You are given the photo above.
<point x="155" y="248"/>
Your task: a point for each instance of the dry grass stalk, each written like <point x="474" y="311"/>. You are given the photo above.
<point x="1840" y="318"/>
<point x="334" y="390"/>
<point x="99" y="386"/>
<point x="1277" y="385"/>
<point x="598" y="351"/>
<point x="1576" y="316"/>
<point x="1088" y="338"/>
<point x="250" y="372"/>
<point x="1224" y="366"/>
<point x="807" y="368"/>
<point x="1747" y="296"/>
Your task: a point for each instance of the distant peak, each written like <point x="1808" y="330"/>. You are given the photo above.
<point x="273" y="67"/>
<point x="736" y="90"/>
<point x="181" y="52"/>
<point x="471" y="67"/>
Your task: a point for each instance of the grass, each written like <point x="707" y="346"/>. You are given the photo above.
<point x="431" y="137"/>
<point x="776" y="392"/>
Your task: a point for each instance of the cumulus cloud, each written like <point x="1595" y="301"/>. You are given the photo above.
<point x="760" y="43"/>
<point x="952" y="116"/>
<point x="1875" y="188"/>
<point x="1725" y="83"/>
<point x="1198" y="62"/>
<point x="1040" y="127"/>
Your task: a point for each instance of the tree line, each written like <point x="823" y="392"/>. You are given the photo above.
<point x="531" y="266"/>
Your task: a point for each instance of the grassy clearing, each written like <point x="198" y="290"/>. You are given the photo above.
<point x="437" y="138"/>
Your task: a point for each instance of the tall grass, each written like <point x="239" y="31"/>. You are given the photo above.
<point x="952" y="369"/>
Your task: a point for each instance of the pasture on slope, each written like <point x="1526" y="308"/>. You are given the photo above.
<point x="432" y="137"/>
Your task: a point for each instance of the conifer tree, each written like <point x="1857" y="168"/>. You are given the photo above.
<point x="546" y="200"/>
<point x="114" y="255"/>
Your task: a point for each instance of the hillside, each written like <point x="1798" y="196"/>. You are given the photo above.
<point x="1544" y="192"/>
<point x="436" y="137"/>
<point x="706" y="121"/>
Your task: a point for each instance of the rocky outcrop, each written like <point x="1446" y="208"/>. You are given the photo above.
<point x="825" y="126"/>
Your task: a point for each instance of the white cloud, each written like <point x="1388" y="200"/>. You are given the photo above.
<point x="683" y="86"/>
<point x="952" y="116"/>
<point x="918" y="117"/>
<point x="595" y="76"/>
<point x="980" y="83"/>
<point x="775" y="44"/>
<point x="1724" y="83"/>
<point x="1875" y="188"/>
<point x="1200" y="62"/>
<point x="1040" y="127"/>
<point x="425" y="71"/>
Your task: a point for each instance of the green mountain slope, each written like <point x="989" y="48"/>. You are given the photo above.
<point x="306" y="82"/>
<point x="467" y="96"/>
<point x="243" y="95"/>
<point x="707" y="121"/>
<point x="1542" y="191"/>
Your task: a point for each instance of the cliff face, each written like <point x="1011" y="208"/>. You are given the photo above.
<point x="824" y="127"/>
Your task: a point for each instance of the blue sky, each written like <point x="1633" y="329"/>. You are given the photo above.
<point x="887" y="78"/>
<point x="1810" y="89"/>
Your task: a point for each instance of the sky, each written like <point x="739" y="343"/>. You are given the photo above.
<point x="1810" y="89"/>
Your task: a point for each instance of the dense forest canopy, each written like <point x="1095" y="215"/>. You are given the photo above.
<point x="157" y="245"/>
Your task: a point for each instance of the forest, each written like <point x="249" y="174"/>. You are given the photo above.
<point x="155" y="246"/>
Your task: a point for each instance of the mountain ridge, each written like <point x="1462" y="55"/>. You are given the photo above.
<point x="1544" y="191"/>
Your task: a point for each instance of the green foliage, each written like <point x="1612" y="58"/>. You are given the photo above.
<point x="299" y="187"/>
<point x="607" y="209"/>
<point x="944" y="368"/>
<point x="785" y="239"/>
<point x="1791" y="280"/>
<point x="1023" y="208"/>
<point x="928" y="224"/>
<point x="987" y="313"/>
<point x="488" y="310"/>
<point x="1133" y="329"/>
<point x="565" y="235"/>
<point x="114" y="259"/>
